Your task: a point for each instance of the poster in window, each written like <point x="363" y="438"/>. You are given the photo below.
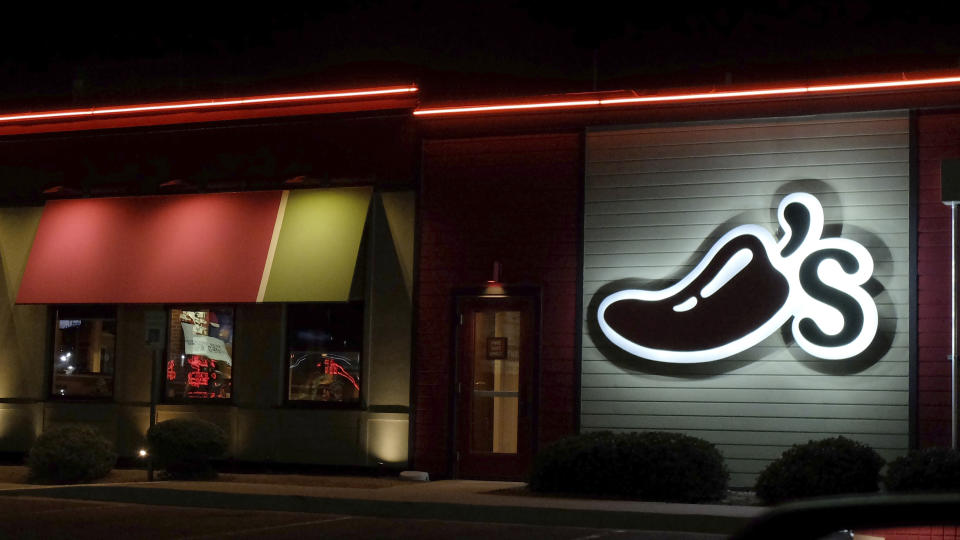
<point x="496" y="348"/>
<point x="200" y="363"/>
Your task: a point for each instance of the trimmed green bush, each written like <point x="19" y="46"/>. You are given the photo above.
<point x="826" y="467"/>
<point x="930" y="469"/>
<point x="653" y="466"/>
<point x="184" y="447"/>
<point x="70" y="454"/>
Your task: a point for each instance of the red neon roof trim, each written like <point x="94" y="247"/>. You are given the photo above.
<point x="510" y="107"/>
<point x="796" y="90"/>
<point x="209" y="104"/>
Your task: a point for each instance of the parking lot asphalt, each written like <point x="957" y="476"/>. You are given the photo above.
<point x="28" y="517"/>
<point x="461" y="501"/>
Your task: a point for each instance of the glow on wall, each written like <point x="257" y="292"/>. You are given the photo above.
<point x="749" y="285"/>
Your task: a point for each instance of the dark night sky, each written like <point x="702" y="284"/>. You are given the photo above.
<point x="84" y="57"/>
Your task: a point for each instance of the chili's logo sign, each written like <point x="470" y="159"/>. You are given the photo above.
<point x="748" y="286"/>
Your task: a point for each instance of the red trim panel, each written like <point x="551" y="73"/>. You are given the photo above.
<point x="516" y="200"/>
<point x="938" y="138"/>
<point x="167" y="249"/>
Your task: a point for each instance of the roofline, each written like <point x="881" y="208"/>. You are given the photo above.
<point x="211" y="110"/>
<point x="407" y="97"/>
<point x="900" y="83"/>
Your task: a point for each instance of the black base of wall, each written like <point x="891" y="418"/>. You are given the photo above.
<point x="12" y="458"/>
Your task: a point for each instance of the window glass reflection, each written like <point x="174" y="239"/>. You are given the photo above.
<point x="324" y="344"/>
<point x="85" y="344"/>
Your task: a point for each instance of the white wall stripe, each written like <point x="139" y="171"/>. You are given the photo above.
<point x="273" y="246"/>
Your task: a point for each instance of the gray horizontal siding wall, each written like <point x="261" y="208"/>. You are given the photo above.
<point x="654" y="199"/>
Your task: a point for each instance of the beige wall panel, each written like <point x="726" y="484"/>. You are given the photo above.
<point x="843" y="426"/>
<point x="100" y="416"/>
<point x="23" y="329"/>
<point x="894" y="368"/>
<point x="256" y="434"/>
<point x="750" y="410"/>
<point x="656" y="199"/>
<point x="317" y="436"/>
<point x="790" y="132"/>
<point x="762" y="174"/>
<point x="124" y="425"/>
<point x="659" y="147"/>
<point x="673" y="394"/>
<point x="387" y="440"/>
<point x="328" y="437"/>
<point x="726" y="189"/>
<point x="223" y="416"/>
<point x="615" y="247"/>
<point x="132" y="374"/>
<point x="133" y="421"/>
<point x="20" y="423"/>
<point x="260" y="356"/>
<point x="735" y="382"/>
<point x="879" y="441"/>
<point x="878" y="226"/>
<point x="765" y="453"/>
<point x="389" y="307"/>
<point x="400" y="210"/>
<point x="744" y="161"/>
<point x="850" y="216"/>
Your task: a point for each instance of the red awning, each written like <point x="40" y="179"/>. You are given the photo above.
<point x="204" y="248"/>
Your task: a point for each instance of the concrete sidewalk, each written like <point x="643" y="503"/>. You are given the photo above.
<point x="460" y="500"/>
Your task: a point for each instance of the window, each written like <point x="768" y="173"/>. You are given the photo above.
<point x="324" y="342"/>
<point x="199" y="354"/>
<point x="84" y="351"/>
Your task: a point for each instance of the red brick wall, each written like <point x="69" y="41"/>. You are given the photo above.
<point x="514" y="200"/>
<point x="938" y="137"/>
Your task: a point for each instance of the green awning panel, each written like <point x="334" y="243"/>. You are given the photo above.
<point x="18" y="226"/>
<point x="315" y="247"/>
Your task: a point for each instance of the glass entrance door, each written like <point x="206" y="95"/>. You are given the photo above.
<point x="495" y="392"/>
<point x="494" y="386"/>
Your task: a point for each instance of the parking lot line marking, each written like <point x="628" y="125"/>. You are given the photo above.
<point x="270" y="528"/>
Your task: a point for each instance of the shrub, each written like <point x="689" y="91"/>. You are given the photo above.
<point x="183" y="447"/>
<point x="654" y="466"/>
<point x="930" y="469"/>
<point x="70" y="454"/>
<point x="826" y="467"/>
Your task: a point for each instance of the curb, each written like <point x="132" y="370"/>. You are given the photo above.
<point x="565" y="517"/>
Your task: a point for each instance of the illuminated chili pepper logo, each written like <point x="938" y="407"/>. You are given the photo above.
<point x="749" y="285"/>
